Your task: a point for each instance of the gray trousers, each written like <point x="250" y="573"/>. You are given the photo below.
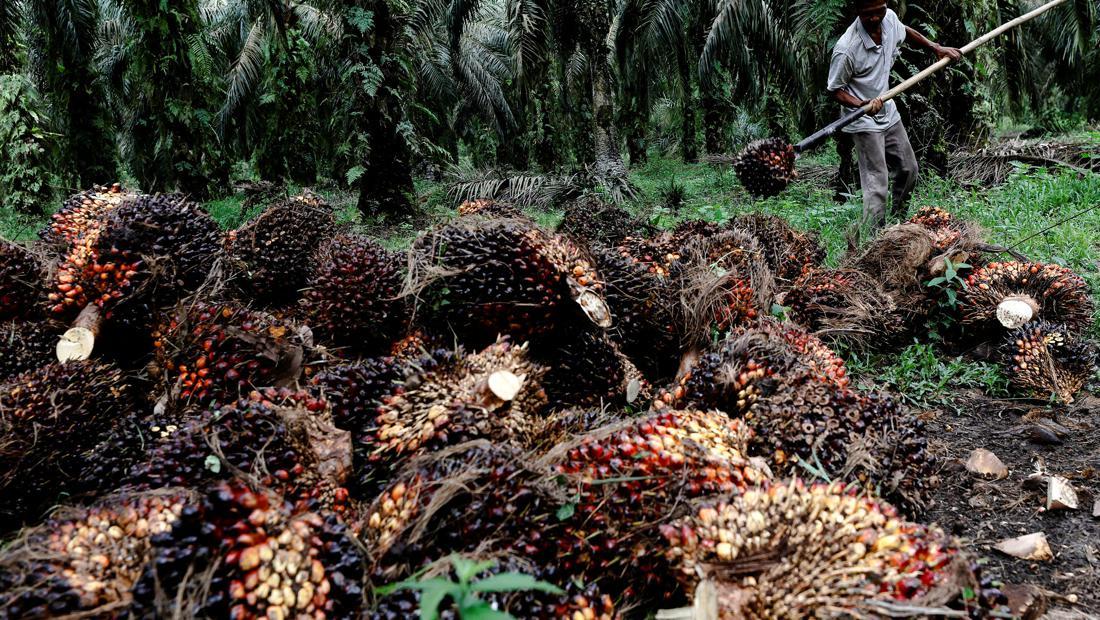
<point x="881" y="154"/>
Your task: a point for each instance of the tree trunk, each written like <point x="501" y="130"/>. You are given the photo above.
<point x="689" y="147"/>
<point x="609" y="160"/>
<point x="714" y="123"/>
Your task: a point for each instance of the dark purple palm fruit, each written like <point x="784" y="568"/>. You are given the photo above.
<point x="21" y="283"/>
<point x="1046" y="358"/>
<point x="766" y="167"/>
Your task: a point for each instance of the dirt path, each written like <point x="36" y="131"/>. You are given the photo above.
<point x="1024" y="434"/>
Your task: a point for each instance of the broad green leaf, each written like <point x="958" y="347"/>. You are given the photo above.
<point x="514" y="582"/>
<point x="482" y="611"/>
<point x="566" y="511"/>
<point x="432" y="593"/>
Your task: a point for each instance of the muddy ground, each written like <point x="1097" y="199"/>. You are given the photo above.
<point x="1027" y="436"/>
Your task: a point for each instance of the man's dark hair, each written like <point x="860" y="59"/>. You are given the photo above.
<point x="856" y="5"/>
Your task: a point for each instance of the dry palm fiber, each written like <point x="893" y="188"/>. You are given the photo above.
<point x="578" y="601"/>
<point x="789" y="252"/>
<point x="597" y="222"/>
<point x="282" y="439"/>
<point x="789" y="550"/>
<point x="483" y="278"/>
<point x="993" y="165"/>
<point x="353" y="295"/>
<point x="50" y="421"/>
<point x="1054" y="293"/>
<point x="845" y="305"/>
<point x="1047" y="359"/>
<point x="274" y="252"/>
<point x="85" y="561"/>
<point x="21" y="281"/>
<point x="26" y="345"/>
<point x="246" y="554"/>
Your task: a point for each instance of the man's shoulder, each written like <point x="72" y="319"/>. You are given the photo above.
<point x="848" y="42"/>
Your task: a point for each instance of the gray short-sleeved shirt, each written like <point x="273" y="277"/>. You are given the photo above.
<point x="862" y="67"/>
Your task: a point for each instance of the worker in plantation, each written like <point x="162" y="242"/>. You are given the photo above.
<point x="859" y="74"/>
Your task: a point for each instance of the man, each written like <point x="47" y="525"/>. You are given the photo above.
<point x="858" y="74"/>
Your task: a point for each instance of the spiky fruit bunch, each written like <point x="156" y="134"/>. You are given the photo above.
<point x="354" y="391"/>
<point x="811" y="350"/>
<point x="26" y="345"/>
<point x="275" y="250"/>
<point x="217" y="351"/>
<point x="257" y="558"/>
<point x="577" y="602"/>
<point x="595" y="221"/>
<point x="631" y="476"/>
<point x="283" y="438"/>
<point x="843" y="304"/>
<point x="872" y="440"/>
<point x="1046" y="358"/>
<point x="84" y="562"/>
<point x="352" y="297"/>
<point x="1057" y="294"/>
<point x="50" y="420"/>
<point x="496" y="393"/>
<point x="20" y="281"/>
<point x="790" y="253"/>
<point x="727" y="279"/>
<point x="945" y="229"/>
<point x="488" y="207"/>
<point x="643" y="305"/>
<point x="587" y="369"/>
<point x="83" y="212"/>
<point x="766" y="167"/>
<point x="815" y="551"/>
<point x="493" y="277"/>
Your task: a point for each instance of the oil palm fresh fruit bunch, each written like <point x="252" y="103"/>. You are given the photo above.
<point x="21" y="282"/>
<point x="947" y="231"/>
<point x="845" y="305"/>
<point x="83" y="212"/>
<point x="766" y="167"/>
<point x="1009" y="295"/>
<point x="274" y="252"/>
<point x="241" y="553"/>
<point x="1047" y="358"/>
<point x="791" y="550"/>
<point x="790" y="253"/>
<point x="586" y="369"/>
<point x="50" y="421"/>
<point x="284" y="439"/>
<point x="354" y="391"/>
<point x="352" y="298"/>
<point x="483" y="278"/>
<point x="85" y="561"/>
<point x="597" y="222"/>
<point x="811" y="351"/>
<point x="213" y="351"/>
<point x="488" y="207"/>
<point x="26" y="345"/>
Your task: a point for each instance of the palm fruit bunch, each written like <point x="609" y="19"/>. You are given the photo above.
<point x="789" y="550"/>
<point x="352" y="296"/>
<point x="868" y="439"/>
<point x="50" y="420"/>
<point x="496" y="393"/>
<point x="812" y="352"/>
<point x="727" y="280"/>
<point x="275" y="250"/>
<point x="597" y="222"/>
<point x="354" y="391"/>
<point x="1013" y="293"/>
<point x="487" y="207"/>
<point x="945" y="229"/>
<point x="212" y="351"/>
<point x="766" y="167"/>
<point x="484" y="278"/>
<point x="246" y="555"/>
<point x="19" y="281"/>
<point x="843" y="304"/>
<point x="574" y="602"/>
<point x="643" y="305"/>
<point x="790" y="253"/>
<point x="25" y="346"/>
<point x="283" y="438"/>
<point x="1047" y="358"/>
<point x="586" y="369"/>
<point x="83" y="562"/>
<point x="82" y="212"/>
<point x="631" y="476"/>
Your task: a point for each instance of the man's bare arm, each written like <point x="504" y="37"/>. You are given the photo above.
<point x="912" y="36"/>
<point x="846" y="98"/>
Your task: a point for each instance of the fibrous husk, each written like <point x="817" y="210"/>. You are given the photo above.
<point x="845" y="305"/>
<point x="1047" y="358"/>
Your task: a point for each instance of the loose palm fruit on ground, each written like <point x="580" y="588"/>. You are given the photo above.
<point x="483" y="278"/>
<point x="275" y="251"/>
<point x="26" y="345"/>
<point x="577" y="602"/>
<point x="20" y="281"/>
<point x="488" y="207"/>
<point x="84" y="561"/>
<point x="811" y="350"/>
<point x="217" y="351"/>
<point x="766" y="167"/>
<point x="1046" y="358"/>
<point x="789" y="252"/>
<point x="50" y="419"/>
<point x="242" y="554"/>
<point x="1011" y="294"/>
<point x="283" y="438"/>
<point x="794" y="551"/>
<point x="845" y="305"/>
<point x="352" y="298"/>
<point x="595" y="221"/>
